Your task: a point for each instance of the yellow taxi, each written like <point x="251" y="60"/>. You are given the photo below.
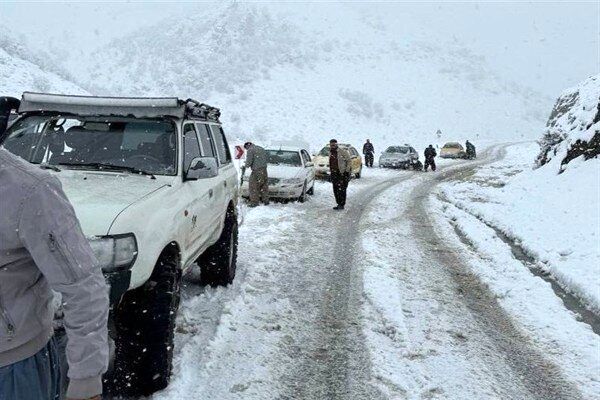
<point x="453" y="150"/>
<point x="321" y="161"/>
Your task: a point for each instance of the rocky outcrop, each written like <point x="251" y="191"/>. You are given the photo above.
<point x="573" y="129"/>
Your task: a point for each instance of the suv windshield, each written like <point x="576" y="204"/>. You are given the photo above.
<point x="284" y="157"/>
<point x="397" y="149"/>
<point x="89" y="142"/>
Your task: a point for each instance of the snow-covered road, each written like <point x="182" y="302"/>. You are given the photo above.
<point x="382" y="301"/>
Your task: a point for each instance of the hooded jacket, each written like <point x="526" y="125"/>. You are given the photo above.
<point x="42" y="247"/>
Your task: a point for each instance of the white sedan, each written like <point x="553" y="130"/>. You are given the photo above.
<point x="291" y="173"/>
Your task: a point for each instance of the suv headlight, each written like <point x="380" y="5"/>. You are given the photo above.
<point x="115" y="253"/>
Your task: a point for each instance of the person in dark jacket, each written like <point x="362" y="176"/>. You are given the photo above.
<point x="470" y="150"/>
<point x="340" y="167"/>
<point x="369" y="153"/>
<point x="430" y="155"/>
<point x="42" y="248"/>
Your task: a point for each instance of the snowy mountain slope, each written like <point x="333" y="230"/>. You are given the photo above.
<point x="551" y="211"/>
<point x="573" y="128"/>
<point x="21" y="70"/>
<point x="217" y="49"/>
<point x="314" y="71"/>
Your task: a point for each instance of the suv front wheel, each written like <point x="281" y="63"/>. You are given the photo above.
<point x="145" y="324"/>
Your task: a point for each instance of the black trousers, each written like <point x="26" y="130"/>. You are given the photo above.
<point x="340" y="184"/>
<point x="369" y="159"/>
<point x="430" y="162"/>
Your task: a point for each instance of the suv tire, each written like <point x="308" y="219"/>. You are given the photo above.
<point x="218" y="263"/>
<point x="145" y="323"/>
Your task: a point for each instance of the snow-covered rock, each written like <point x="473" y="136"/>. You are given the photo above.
<point x="573" y="128"/>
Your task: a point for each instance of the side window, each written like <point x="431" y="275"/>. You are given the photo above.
<point x="208" y="147"/>
<point x="191" y="149"/>
<point x="306" y="156"/>
<point x="221" y="144"/>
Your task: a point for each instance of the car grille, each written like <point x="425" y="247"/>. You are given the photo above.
<point x="273" y="181"/>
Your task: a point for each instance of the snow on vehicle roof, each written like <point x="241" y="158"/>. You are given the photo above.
<point x="453" y="144"/>
<point x="285" y="148"/>
<point x="138" y="107"/>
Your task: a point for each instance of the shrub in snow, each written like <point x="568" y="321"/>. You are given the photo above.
<point x="573" y="129"/>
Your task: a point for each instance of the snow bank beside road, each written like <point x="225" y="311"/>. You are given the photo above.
<point x="568" y="343"/>
<point x="554" y="218"/>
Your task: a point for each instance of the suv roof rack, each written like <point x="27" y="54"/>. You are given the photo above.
<point x="139" y="107"/>
<point x="195" y="109"/>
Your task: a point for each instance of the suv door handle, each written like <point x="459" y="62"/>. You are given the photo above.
<point x="210" y="192"/>
<point x="225" y="183"/>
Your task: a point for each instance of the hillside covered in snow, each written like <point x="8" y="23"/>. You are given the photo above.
<point x="22" y="69"/>
<point x="296" y="72"/>
<point x="310" y="72"/>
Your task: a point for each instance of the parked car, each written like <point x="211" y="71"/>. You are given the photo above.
<point x="453" y="150"/>
<point x="399" y="157"/>
<point x="291" y="173"/>
<point x="321" y="160"/>
<point x="155" y="190"/>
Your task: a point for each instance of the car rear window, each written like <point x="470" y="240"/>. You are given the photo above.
<point x="452" y="146"/>
<point x="397" y="149"/>
<point x="282" y="157"/>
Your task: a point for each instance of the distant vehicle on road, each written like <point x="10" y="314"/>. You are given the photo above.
<point x="453" y="150"/>
<point x="321" y="161"/>
<point x="399" y="157"/>
<point x="291" y="173"/>
<point x="154" y="187"/>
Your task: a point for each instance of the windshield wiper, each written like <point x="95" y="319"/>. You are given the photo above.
<point x="49" y="166"/>
<point x="111" y="167"/>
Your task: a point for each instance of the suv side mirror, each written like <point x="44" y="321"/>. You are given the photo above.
<point x="309" y="164"/>
<point x="202" y="168"/>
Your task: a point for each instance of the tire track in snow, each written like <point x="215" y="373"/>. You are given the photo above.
<point x="540" y="377"/>
<point x="331" y="360"/>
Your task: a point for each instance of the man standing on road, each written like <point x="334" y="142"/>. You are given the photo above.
<point x="42" y="247"/>
<point x="369" y="153"/>
<point x="470" y="150"/>
<point x="430" y="155"/>
<point x="258" y="185"/>
<point x="340" y="166"/>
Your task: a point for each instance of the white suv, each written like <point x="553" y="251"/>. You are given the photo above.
<point x="155" y="190"/>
